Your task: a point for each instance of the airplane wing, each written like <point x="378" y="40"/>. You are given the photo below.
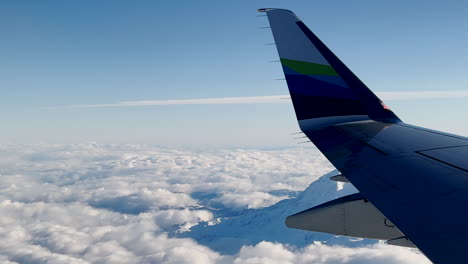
<point x="412" y="181"/>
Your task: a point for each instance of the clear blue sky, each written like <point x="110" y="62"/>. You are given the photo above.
<point x="56" y="53"/>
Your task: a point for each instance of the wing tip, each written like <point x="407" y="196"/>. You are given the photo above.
<point x="263" y="10"/>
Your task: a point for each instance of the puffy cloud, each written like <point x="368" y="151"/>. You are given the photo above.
<point x="91" y="203"/>
<point x="249" y="199"/>
<point x="135" y="179"/>
<point x="266" y="252"/>
<point x="58" y="233"/>
<point x="184" y="218"/>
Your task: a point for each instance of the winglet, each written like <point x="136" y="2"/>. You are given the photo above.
<point x="323" y="90"/>
<point x="265" y="9"/>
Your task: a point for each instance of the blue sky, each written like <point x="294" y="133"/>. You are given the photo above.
<point x="59" y="53"/>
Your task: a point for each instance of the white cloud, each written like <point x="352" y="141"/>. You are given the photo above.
<point x="60" y="233"/>
<point x="251" y="199"/>
<point x="266" y="252"/>
<point x="133" y="180"/>
<point x="91" y="203"/>
<point x="184" y="217"/>
<point x="275" y="99"/>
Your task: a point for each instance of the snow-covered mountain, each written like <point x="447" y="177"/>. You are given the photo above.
<point x="252" y="226"/>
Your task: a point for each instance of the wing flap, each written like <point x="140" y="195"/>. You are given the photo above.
<point x="452" y="156"/>
<point x="351" y="215"/>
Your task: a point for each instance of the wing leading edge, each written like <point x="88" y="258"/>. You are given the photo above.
<point x="416" y="178"/>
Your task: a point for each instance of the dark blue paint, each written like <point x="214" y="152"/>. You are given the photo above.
<point x="372" y="103"/>
<point x="310" y="106"/>
<point x="424" y="198"/>
<point x="305" y="84"/>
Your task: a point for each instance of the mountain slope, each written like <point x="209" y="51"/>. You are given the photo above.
<point x="267" y="224"/>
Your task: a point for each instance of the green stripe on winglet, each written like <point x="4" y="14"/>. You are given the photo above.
<point x="309" y="68"/>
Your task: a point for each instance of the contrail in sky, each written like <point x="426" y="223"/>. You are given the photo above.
<point x="274" y="99"/>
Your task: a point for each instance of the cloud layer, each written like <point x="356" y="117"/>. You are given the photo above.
<point x="266" y="252"/>
<point x="91" y="203"/>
